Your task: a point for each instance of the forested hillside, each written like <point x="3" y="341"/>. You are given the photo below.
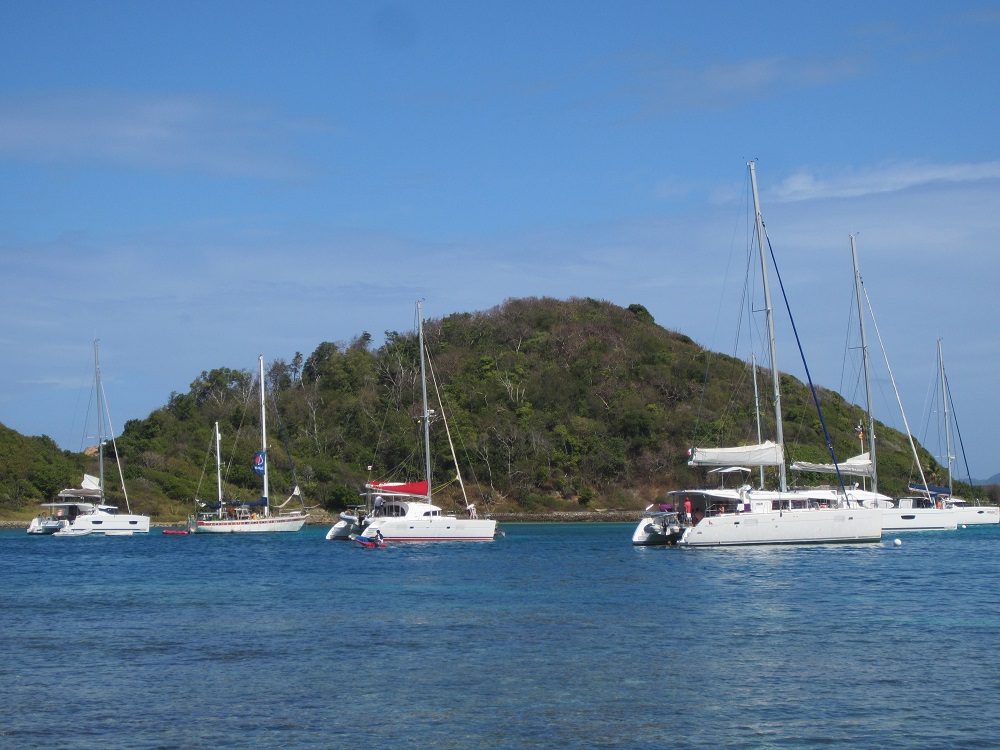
<point x="551" y="405"/>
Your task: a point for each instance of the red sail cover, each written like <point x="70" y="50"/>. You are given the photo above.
<point x="401" y="488"/>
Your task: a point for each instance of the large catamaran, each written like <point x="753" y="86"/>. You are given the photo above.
<point x="747" y="516"/>
<point x="404" y="511"/>
<point x="84" y="510"/>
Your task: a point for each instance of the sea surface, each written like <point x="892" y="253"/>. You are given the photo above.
<point x="556" y="636"/>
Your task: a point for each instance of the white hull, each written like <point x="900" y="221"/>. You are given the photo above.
<point x="730" y="517"/>
<point x="806" y="526"/>
<point x="919" y="519"/>
<point x="121" y="524"/>
<point x="973" y="515"/>
<point x="248" y="525"/>
<point x="432" y="529"/>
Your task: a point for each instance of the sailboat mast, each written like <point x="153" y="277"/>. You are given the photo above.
<point x="218" y="467"/>
<point x="423" y="385"/>
<point x="263" y="434"/>
<point x="947" y="416"/>
<point x="864" y="359"/>
<point x="100" y="418"/>
<point x="769" y="314"/>
<point x="756" y="410"/>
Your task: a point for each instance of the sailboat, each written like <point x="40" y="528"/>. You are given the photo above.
<point x="248" y="517"/>
<point x="944" y="497"/>
<point x="745" y="516"/>
<point x="84" y="510"/>
<point x="902" y="514"/>
<point x="404" y="511"/>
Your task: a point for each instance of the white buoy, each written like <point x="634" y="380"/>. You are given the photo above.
<point x="897" y="542"/>
<point x="964" y="526"/>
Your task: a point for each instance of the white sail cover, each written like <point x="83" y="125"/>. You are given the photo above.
<point x="856" y="466"/>
<point x="766" y="454"/>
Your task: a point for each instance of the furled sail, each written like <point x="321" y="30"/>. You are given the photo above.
<point x="765" y="454"/>
<point x="856" y="466"/>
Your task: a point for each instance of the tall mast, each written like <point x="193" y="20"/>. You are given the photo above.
<point x="864" y="359"/>
<point x="769" y="313"/>
<point x="427" y="416"/>
<point x="100" y="418"/>
<point x="218" y="467"/>
<point x="263" y="434"/>
<point x="756" y="410"/>
<point x="947" y="416"/>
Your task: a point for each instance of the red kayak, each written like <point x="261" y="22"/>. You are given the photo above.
<point x="368" y="543"/>
<point x="176" y="531"/>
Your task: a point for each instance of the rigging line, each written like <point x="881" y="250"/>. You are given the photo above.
<point x="885" y="355"/>
<point x="111" y="433"/>
<point x="802" y="354"/>
<point x="710" y="355"/>
<point x="204" y="464"/>
<point x="288" y="451"/>
<point x="444" y="417"/>
<point x="958" y="432"/>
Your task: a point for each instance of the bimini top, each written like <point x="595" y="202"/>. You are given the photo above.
<point x="90" y="487"/>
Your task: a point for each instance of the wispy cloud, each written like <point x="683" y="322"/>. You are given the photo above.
<point x="162" y="133"/>
<point x="889" y="178"/>
<point x="723" y="86"/>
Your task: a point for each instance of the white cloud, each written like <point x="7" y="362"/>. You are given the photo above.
<point x="161" y="133"/>
<point x="888" y="178"/>
<point x="724" y="86"/>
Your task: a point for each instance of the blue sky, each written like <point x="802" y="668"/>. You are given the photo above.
<point x="197" y="183"/>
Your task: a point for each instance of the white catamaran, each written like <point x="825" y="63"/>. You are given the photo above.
<point x="84" y="510"/>
<point x="901" y="514"/>
<point x="248" y="517"/>
<point x="745" y="516"/>
<point x="404" y="511"/>
<point x="964" y="513"/>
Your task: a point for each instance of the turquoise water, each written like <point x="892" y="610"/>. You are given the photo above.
<point x="558" y="636"/>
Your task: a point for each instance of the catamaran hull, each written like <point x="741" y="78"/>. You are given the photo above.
<point x="116" y="525"/>
<point x="973" y="515"/>
<point x="826" y="526"/>
<point x="249" y="525"/>
<point x="434" y="529"/>
<point x="919" y="519"/>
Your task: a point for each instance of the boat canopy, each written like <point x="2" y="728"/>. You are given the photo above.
<point x="856" y="466"/>
<point x="400" y="488"/>
<point x="929" y="490"/>
<point x="89" y="487"/>
<point x="767" y="453"/>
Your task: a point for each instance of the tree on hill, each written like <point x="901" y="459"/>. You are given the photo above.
<point x="551" y="404"/>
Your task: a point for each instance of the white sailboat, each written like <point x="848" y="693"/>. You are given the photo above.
<point x="404" y="511"/>
<point x="84" y="510"/>
<point x="901" y="514"/>
<point x="965" y="514"/>
<point x="248" y="517"/>
<point x="745" y="516"/>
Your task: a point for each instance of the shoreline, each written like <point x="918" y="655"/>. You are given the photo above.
<point x="573" y="516"/>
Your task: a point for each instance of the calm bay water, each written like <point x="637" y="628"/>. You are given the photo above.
<point x="557" y="636"/>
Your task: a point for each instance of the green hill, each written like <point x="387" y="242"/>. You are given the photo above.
<point x="551" y="404"/>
